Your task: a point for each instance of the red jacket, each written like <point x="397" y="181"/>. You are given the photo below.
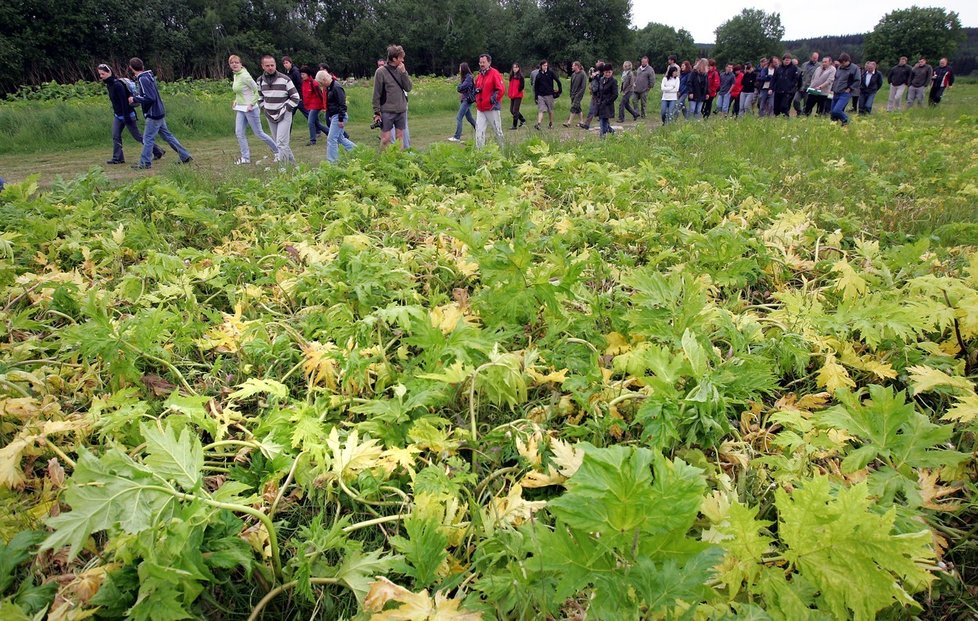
<point x="738" y="86"/>
<point x="486" y="85"/>
<point x="312" y="95"/>
<point x="516" y="86"/>
<point x="713" y="80"/>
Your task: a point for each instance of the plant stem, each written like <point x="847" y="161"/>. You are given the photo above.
<point x="281" y="589"/>
<point x="373" y="522"/>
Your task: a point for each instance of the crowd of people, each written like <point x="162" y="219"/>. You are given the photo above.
<point x="775" y="87"/>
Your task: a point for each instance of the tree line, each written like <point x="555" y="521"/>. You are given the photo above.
<point x="64" y="41"/>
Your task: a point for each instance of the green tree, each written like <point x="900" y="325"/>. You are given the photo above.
<point x="747" y="36"/>
<point x="658" y="42"/>
<point x="931" y="32"/>
<point x="585" y="31"/>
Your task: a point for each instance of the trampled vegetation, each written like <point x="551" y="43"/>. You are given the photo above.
<point x="643" y="378"/>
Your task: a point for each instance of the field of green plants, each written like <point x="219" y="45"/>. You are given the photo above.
<point x="714" y="371"/>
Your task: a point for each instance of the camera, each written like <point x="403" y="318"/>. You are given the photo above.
<point x="376" y="124"/>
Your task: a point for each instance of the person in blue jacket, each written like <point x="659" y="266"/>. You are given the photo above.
<point x="124" y="115"/>
<point x="466" y="97"/>
<point x="149" y="98"/>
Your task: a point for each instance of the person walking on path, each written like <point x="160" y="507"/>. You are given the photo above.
<point x="391" y="85"/>
<point x="943" y="78"/>
<point x="736" y="89"/>
<point x="245" y="106"/>
<point x="920" y="77"/>
<point x="670" y="93"/>
<point x="805" y="73"/>
<point x="784" y="85"/>
<point x="821" y="88"/>
<point x="488" y="99"/>
<point x="296" y="76"/>
<point x="898" y="78"/>
<point x="844" y="88"/>
<point x="517" y="85"/>
<point x="546" y="88"/>
<point x="727" y="80"/>
<point x="643" y="81"/>
<point x="685" y="71"/>
<point x="607" y="94"/>
<point x="627" y="88"/>
<point x="155" y="114"/>
<point x="594" y="82"/>
<point x="578" y="85"/>
<point x="279" y="99"/>
<point x="466" y="97"/>
<point x="872" y="82"/>
<point x="313" y="103"/>
<point x="336" y="113"/>
<point x="698" y="88"/>
<point x="123" y="115"/>
<point x="712" y="87"/>
<point x="748" y="90"/>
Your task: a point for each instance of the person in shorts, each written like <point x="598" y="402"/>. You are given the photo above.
<point x="391" y="85"/>
<point x="546" y="88"/>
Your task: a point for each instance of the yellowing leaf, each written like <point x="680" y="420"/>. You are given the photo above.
<point x="320" y="369"/>
<point x="833" y="375"/>
<point x="616" y="344"/>
<point x="556" y="377"/>
<point x="529" y="450"/>
<point x="933" y="494"/>
<point x="455" y="374"/>
<point x="925" y="379"/>
<point x="396" y="457"/>
<point x="350" y="458"/>
<point x="567" y="457"/>
<point x="512" y="509"/>
<point x="965" y="410"/>
<point x="228" y="337"/>
<point x="413" y="606"/>
<point x="446" y="317"/>
<point x="535" y="478"/>
<point x="253" y="386"/>
<point x="850" y="283"/>
<point x="10" y="473"/>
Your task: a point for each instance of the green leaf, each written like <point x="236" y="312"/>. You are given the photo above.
<point x="358" y="570"/>
<point x="851" y="554"/>
<point x="173" y="458"/>
<point x="15" y="552"/>
<point x="661" y="587"/>
<point x="423" y="549"/>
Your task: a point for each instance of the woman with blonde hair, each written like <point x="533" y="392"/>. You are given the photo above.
<point x="245" y="105"/>
<point x="335" y="115"/>
<point x="627" y="88"/>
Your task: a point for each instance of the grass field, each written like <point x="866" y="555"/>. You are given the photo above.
<point x="718" y="370"/>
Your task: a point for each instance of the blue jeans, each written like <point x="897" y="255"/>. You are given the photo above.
<point x="668" y="110"/>
<point x="696" y="109"/>
<point x="463" y="113"/>
<point x="681" y="105"/>
<point x="251" y="118"/>
<point x="335" y="138"/>
<point x="866" y="103"/>
<point x="129" y="123"/>
<point x="606" y="126"/>
<point x="723" y="103"/>
<point x="315" y="125"/>
<point x="839" y="104"/>
<point x="154" y="127"/>
<point x="765" y="103"/>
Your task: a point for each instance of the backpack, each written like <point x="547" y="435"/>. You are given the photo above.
<point x="133" y="89"/>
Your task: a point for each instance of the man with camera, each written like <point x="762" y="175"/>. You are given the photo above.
<point x="488" y="95"/>
<point x="594" y="75"/>
<point x="391" y="85"/>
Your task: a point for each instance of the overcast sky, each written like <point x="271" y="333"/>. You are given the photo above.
<point x="801" y="20"/>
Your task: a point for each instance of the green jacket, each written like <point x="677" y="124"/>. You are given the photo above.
<point x="245" y="89"/>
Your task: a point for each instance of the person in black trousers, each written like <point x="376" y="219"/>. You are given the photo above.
<point x="124" y="113"/>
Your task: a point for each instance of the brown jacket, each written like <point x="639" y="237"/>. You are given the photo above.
<point x="390" y="86"/>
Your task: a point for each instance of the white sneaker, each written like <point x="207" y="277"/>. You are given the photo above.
<point x="242" y="161"/>
<point x="454" y="139"/>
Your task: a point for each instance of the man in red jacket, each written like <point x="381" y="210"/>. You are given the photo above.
<point x="488" y="96"/>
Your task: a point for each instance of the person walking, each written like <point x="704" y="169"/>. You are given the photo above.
<point x="670" y="93"/>
<point x="805" y="73"/>
<point x="594" y="82"/>
<point x="546" y="88"/>
<point x="296" y="76"/>
<point x="123" y="115"/>
<point x="943" y="79"/>
<point x="313" y="103"/>
<point x="644" y="78"/>
<point x="698" y="88"/>
<point x="872" y="82"/>
<point x="517" y="85"/>
<point x="148" y="97"/>
<point x="607" y="95"/>
<point x="279" y="99"/>
<point x="844" y="88"/>
<point x="335" y="97"/>
<point x="736" y="89"/>
<point x="921" y="76"/>
<point x="245" y="106"/>
<point x="391" y="85"/>
<point x="766" y="97"/>
<point x="627" y="88"/>
<point x="578" y="85"/>
<point x="820" y="90"/>
<point x="488" y="102"/>
<point x="748" y="90"/>
<point x="685" y="71"/>
<point x="466" y="97"/>
<point x="712" y="87"/>
<point x="784" y="84"/>
<point x="898" y="78"/>
<point x="727" y="80"/>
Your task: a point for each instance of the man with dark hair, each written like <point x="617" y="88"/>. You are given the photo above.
<point x="594" y="74"/>
<point x="920" y="76"/>
<point x="148" y="97"/>
<point x="898" y="78"/>
<point x="295" y="74"/>
<point x="642" y="83"/>
<point x="844" y="88"/>
<point x="546" y="88"/>
<point x="943" y="78"/>
<point x="784" y="84"/>
<point x="124" y="115"/>
<point x="578" y="84"/>
<point x="871" y="83"/>
<point x="279" y="99"/>
<point x="488" y="97"/>
<point x="391" y="86"/>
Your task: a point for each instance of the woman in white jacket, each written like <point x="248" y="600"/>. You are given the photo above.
<point x="670" y="93"/>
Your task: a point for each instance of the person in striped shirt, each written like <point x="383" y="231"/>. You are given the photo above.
<point x="278" y="98"/>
